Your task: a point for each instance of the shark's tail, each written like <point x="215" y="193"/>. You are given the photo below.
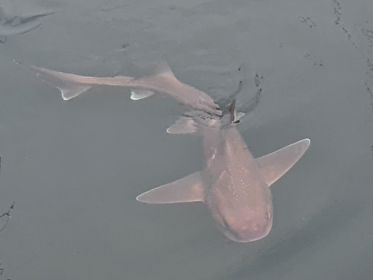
<point x="69" y="85"/>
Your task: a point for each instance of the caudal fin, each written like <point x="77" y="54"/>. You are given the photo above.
<point x="68" y="84"/>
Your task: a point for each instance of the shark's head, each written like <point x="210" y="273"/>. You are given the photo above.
<point x="245" y="225"/>
<point x="240" y="220"/>
<point x="251" y="228"/>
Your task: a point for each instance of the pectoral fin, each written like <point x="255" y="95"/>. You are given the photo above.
<point x="274" y="165"/>
<point x="187" y="189"/>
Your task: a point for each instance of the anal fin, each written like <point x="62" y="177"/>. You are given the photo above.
<point x="187" y="189"/>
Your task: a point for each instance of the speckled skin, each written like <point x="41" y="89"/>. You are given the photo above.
<point x="239" y="199"/>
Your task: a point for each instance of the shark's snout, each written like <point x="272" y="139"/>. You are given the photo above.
<point x="245" y="226"/>
<point x="248" y="231"/>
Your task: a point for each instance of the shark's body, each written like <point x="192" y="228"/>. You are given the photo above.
<point x="13" y="25"/>
<point x="234" y="185"/>
<point x="238" y="197"/>
<point x="163" y="82"/>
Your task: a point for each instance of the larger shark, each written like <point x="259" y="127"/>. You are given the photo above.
<point x="234" y="185"/>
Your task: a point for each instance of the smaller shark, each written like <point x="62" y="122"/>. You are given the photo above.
<point x="163" y="82"/>
<point x="234" y="185"/>
<point x="12" y="25"/>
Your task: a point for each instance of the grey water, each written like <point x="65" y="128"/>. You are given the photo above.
<point x="73" y="168"/>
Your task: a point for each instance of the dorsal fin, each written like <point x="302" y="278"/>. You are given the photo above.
<point x="234" y="117"/>
<point x="231" y="109"/>
<point x="163" y="68"/>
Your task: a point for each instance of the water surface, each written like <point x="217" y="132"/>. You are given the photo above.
<point x="74" y="168"/>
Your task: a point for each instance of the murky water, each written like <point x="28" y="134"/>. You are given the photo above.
<point x="74" y="168"/>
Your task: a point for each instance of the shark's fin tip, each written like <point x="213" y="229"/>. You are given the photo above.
<point x="139" y="198"/>
<point x="274" y="165"/>
<point x="72" y="91"/>
<point x="163" y="69"/>
<point x="65" y="97"/>
<point x="65" y="83"/>
<point x="183" y="125"/>
<point x="187" y="189"/>
<point x="139" y="94"/>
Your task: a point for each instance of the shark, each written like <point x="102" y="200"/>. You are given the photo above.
<point x="234" y="185"/>
<point x="163" y="81"/>
<point x="13" y="25"/>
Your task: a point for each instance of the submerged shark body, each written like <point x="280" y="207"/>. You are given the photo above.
<point x="163" y="82"/>
<point x="13" y="25"/>
<point x="234" y="185"/>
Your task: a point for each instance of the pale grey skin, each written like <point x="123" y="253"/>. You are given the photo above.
<point x="163" y="81"/>
<point x="234" y="185"/>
